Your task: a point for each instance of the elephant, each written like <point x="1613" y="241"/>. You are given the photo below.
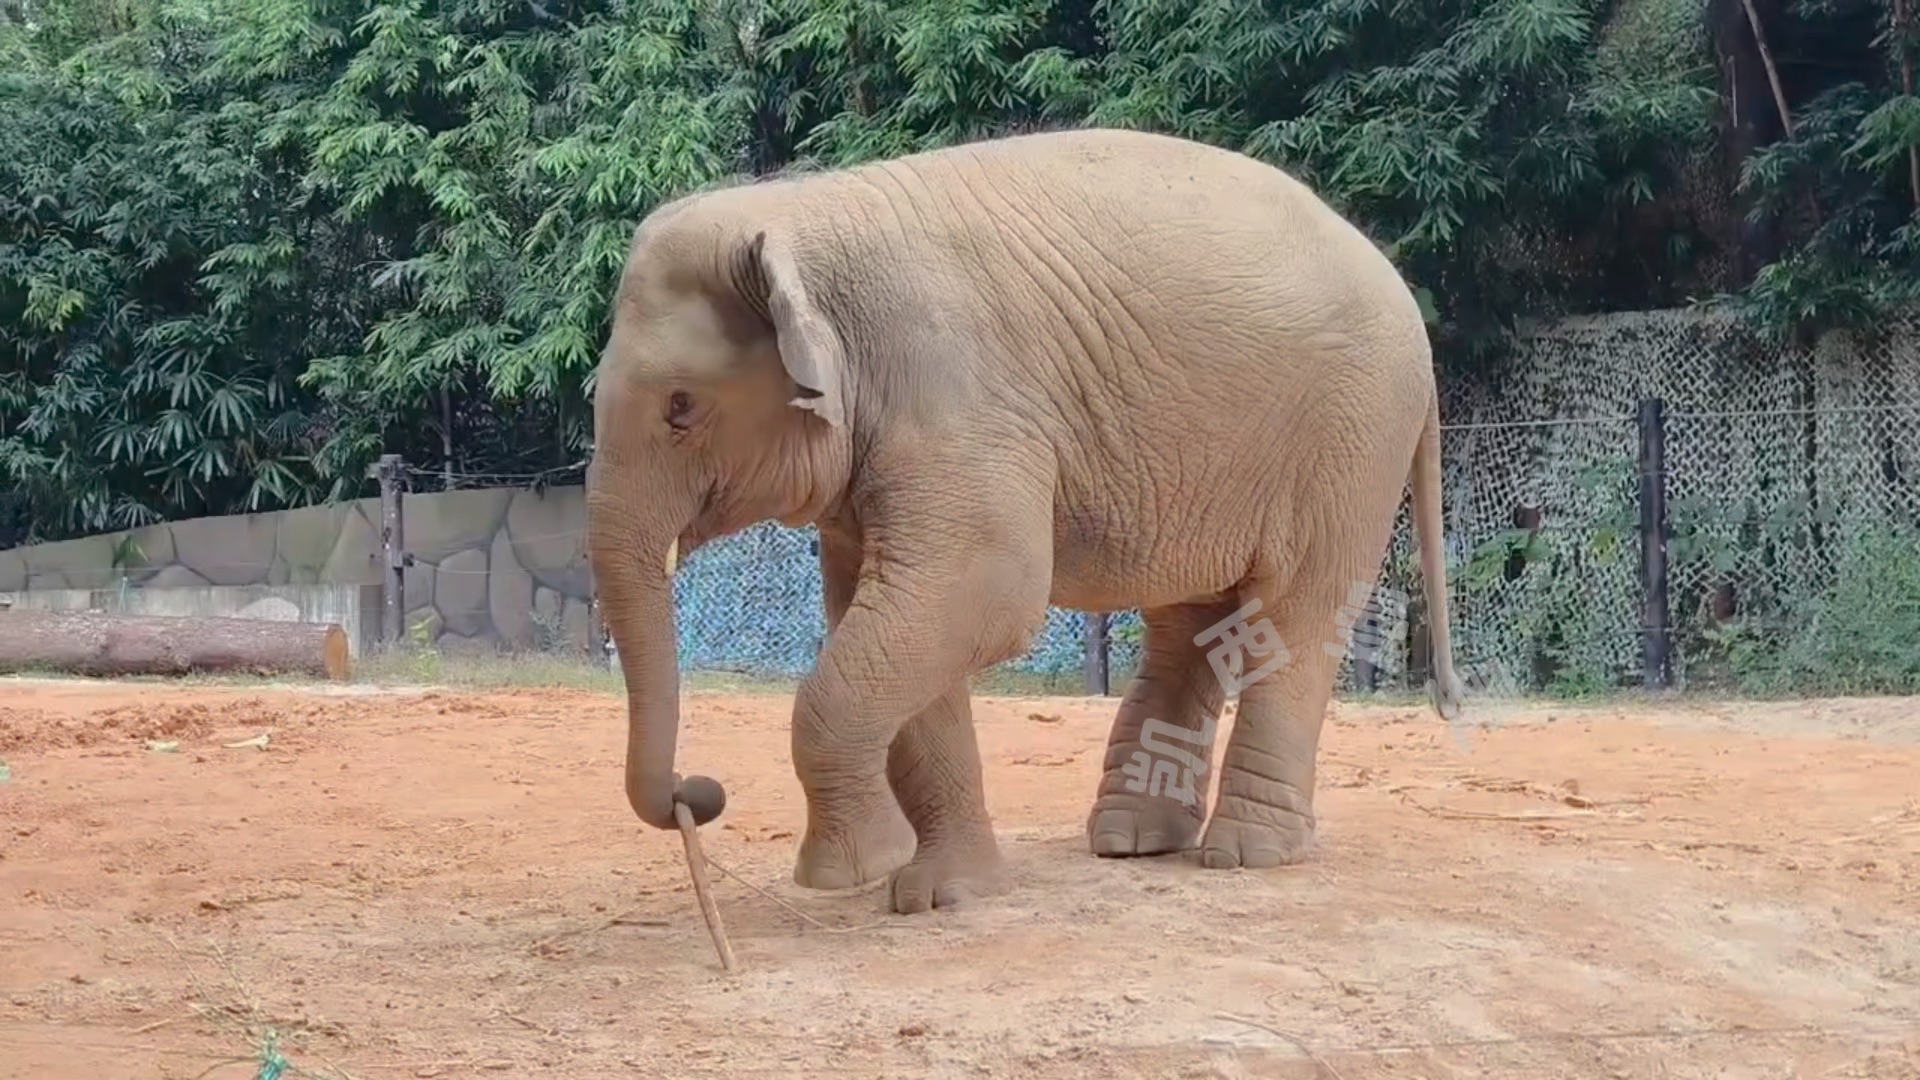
<point x="1098" y="369"/>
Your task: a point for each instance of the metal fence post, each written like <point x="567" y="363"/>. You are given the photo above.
<point x="393" y="547"/>
<point x="1654" y="629"/>
<point x="1096" y="654"/>
<point x="1366" y="676"/>
<point x="597" y="653"/>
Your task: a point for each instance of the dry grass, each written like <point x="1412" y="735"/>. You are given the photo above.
<point x="412" y="666"/>
<point x="427" y="667"/>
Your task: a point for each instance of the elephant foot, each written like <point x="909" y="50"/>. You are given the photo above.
<point x="852" y="856"/>
<point x="1276" y="837"/>
<point x="948" y="875"/>
<point x="1122" y="825"/>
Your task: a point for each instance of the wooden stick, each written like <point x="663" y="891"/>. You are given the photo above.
<point x="697" y="865"/>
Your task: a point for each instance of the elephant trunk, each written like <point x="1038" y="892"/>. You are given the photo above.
<point x="633" y="562"/>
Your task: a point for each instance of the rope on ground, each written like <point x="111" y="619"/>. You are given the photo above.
<point x="1290" y="1037"/>
<point x="810" y="920"/>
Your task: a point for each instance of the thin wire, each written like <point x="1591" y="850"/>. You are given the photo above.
<point x="1839" y="410"/>
<point x="1903" y="408"/>
<point x="1488" y="425"/>
<point x="113" y="575"/>
<point x="1573" y="421"/>
<point x="1727" y="414"/>
<point x="442" y="476"/>
<point x="466" y="480"/>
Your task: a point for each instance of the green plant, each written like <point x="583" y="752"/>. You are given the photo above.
<point x="1856" y="632"/>
<point x="549" y="633"/>
<point x="1488" y="560"/>
<point x="127" y="554"/>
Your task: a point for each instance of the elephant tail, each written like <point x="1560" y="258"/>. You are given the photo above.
<point x="1447" y="691"/>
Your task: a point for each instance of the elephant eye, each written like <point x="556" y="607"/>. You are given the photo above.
<point x="679" y="408"/>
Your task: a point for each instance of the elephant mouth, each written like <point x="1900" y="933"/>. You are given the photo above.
<point x="717" y="517"/>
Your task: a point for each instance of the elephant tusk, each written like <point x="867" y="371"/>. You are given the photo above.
<point x="673" y="556"/>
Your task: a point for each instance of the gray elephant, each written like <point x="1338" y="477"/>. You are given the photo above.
<point x="1098" y="369"/>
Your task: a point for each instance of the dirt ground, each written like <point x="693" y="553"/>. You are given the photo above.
<point x="449" y="883"/>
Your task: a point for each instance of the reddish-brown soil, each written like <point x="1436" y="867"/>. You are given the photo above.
<point x="448" y="883"/>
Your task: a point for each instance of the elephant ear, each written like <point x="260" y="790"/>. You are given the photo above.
<point x="810" y="348"/>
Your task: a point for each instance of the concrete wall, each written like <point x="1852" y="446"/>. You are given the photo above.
<point x="354" y="608"/>
<point x="491" y="568"/>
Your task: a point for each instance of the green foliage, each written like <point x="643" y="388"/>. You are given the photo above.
<point x="1576" y="644"/>
<point x="241" y="257"/>
<point x="144" y="369"/>
<point x="244" y="250"/>
<point x="1855" y="635"/>
<point x="1842" y="186"/>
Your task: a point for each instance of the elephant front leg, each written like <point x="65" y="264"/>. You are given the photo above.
<point x="854" y="825"/>
<point x="934" y="767"/>
<point x="1152" y="797"/>
<point x="893" y="846"/>
<point x="941" y="605"/>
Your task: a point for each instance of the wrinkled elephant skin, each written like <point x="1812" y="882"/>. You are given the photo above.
<point x="1098" y="369"/>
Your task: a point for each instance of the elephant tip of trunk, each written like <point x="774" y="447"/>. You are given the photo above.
<point x="703" y="797"/>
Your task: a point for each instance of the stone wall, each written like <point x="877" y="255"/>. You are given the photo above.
<point x="498" y="567"/>
<point x="492" y="568"/>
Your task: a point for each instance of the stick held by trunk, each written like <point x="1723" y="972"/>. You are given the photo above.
<point x="697" y="865"/>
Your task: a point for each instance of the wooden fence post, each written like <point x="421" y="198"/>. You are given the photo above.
<point x="1654" y="629"/>
<point x="391" y="472"/>
<point x="1096" y="653"/>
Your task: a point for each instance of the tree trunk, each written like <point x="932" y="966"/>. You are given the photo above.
<point x="1751" y="119"/>
<point x="1902" y="29"/>
<point x="100" y="644"/>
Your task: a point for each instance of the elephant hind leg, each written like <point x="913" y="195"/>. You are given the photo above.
<point x="1153" y="795"/>
<point x="1263" y="812"/>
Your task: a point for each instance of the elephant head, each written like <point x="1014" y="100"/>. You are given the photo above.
<point x="722" y="399"/>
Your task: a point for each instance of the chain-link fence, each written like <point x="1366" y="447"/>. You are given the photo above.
<point x="1792" y="514"/>
<point x="752" y="604"/>
<point x="1791" y="483"/>
<point x="1795" y="585"/>
<point x="1791" y="542"/>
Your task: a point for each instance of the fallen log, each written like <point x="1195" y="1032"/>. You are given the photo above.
<point x="103" y="644"/>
